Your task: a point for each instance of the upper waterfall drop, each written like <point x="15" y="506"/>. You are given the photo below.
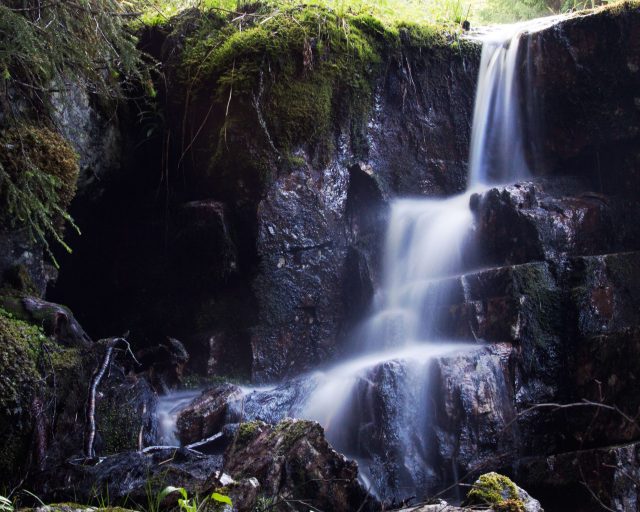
<point x="504" y="123"/>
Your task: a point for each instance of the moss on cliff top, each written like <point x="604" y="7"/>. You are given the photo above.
<point x="273" y="87"/>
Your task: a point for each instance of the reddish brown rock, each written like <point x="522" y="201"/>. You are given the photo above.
<point x="205" y="416"/>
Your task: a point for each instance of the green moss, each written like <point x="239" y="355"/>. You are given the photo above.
<point x="247" y="432"/>
<point x="289" y="432"/>
<point x="19" y="378"/>
<point x="117" y="424"/>
<point x="496" y="491"/>
<point x="293" y="77"/>
<point x="543" y="302"/>
<point x="38" y="174"/>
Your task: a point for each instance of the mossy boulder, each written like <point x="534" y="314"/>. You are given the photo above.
<point x="499" y="493"/>
<point x="20" y="382"/>
<point x="38" y="173"/>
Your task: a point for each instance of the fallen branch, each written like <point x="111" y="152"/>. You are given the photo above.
<point x="90" y="429"/>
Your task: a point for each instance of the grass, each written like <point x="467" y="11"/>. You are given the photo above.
<point x="390" y="12"/>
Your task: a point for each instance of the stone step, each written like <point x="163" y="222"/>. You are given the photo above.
<point x="548" y="220"/>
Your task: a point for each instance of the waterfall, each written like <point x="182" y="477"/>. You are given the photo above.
<point x="376" y="406"/>
<point x="426" y="243"/>
<point x="504" y="118"/>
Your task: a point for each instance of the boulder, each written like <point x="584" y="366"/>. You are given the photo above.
<point x="294" y="464"/>
<point x="501" y="494"/>
<point x="206" y="415"/>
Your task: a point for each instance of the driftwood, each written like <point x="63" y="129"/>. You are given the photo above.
<point x="90" y="426"/>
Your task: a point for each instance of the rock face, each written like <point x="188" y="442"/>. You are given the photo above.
<point x="94" y="132"/>
<point x="590" y="114"/>
<point x="272" y="250"/>
<point x="293" y="463"/>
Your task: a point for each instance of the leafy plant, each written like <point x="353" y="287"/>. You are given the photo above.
<point x="187" y="504"/>
<point x="5" y="504"/>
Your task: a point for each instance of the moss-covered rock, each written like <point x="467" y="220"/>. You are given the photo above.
<point x="38" y="173"/>
<point x="289" y="78"/>
<point x="496" y="491"/>
<point x="20" y="345"/>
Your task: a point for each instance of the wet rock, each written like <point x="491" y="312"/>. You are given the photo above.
<point x="131" y="477"/>
<point x="474" y="411"/>
<point x="418" y="134"/>
<point x="590" y="83"/>
<point x="302" y="246"/>
<point x="548" y="220"/>
<point x="164" y="364"/>
<point x="585" y="480"/>
<point x="275" y="404"/>
<point x="293" y="462"/>
<point x="605" y="293"/>
<point x="56" y="320"/>
<point x="206" y="415"/>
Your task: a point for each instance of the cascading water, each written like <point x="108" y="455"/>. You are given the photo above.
<point x="169" y="406"/>
<point x="426" y="243"/>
